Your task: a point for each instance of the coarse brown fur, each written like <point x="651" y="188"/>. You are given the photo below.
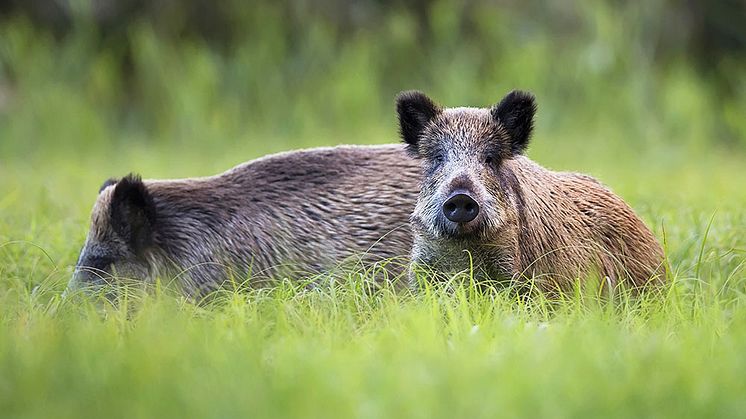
<point x="294" y="214"/>
<point x="533" y="225"/>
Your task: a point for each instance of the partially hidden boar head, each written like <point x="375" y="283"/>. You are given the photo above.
<point x="464" y="187"/>
<point x="120" y="236"/>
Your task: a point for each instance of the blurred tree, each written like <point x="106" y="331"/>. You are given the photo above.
<point x="161" y="64"/>
<point x="706" y="30"/>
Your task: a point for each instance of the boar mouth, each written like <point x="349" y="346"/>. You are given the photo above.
<point x="461" y="230"/>
<point x="444" y="228"/>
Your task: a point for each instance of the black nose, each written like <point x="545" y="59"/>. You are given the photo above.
<point x="461" y="208"/>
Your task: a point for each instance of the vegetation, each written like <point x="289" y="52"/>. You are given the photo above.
<point x="85" y="105"/>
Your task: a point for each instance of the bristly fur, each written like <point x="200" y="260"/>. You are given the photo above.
<point x="291" y="215"/>
<point x="415" y="111"/>
<point x="133" y="212"/>
<point x="533" y="225"/>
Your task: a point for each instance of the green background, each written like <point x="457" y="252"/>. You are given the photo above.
<point x="649" y="97"/>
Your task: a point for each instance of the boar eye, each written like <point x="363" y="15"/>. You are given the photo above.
<point x="489" y="160"/>
<point x="438" y="158"/>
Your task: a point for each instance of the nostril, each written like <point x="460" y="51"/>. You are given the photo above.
<point x="460" y="208"/>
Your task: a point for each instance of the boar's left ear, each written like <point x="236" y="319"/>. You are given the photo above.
<point x="133" y="212"/>
<point x="108" y="182"/>
<point x="415" y="111"/>
<point x="516" y="114"/>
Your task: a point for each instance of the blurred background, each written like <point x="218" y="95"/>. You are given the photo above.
<point x="648" y="96"/>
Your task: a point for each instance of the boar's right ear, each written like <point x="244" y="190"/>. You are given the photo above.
<point x="133" y="212"/>
<point x="415" y="111"/>
<point x="516" y="114"/>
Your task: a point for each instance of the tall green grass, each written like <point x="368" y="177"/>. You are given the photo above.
<point x="344" y="352"/>
<point x="657" y="133"/>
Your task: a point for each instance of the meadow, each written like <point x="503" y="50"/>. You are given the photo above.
<point x="664" y="137"/>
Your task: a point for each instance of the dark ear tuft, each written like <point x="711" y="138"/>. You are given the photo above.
<point x="133" y="212"/>
<point x="108" y="182"/>
<point x="415" y="111"/>
<point x="516" y="114"/>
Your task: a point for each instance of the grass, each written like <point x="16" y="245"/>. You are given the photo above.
<point x="652" y="133"/>
<point x="338" y="351"/>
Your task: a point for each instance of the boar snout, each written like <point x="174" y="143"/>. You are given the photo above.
<point x="460" y="208"/>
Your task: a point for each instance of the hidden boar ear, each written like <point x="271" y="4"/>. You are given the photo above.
<point x="516" y="114"/>
<point x="108" y="182"/>
<point x="415" y="111"/>
<point x="133" y="212"/>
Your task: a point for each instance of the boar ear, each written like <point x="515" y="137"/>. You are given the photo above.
<point x="133" y="212"/>
<point x="415" y="111"/>
<point x="516" y="114"/>
<point x="108" y="182"/>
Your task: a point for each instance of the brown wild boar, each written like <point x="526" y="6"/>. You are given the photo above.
<point x="293" y="214"/>
<point x="484" y="205"/>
